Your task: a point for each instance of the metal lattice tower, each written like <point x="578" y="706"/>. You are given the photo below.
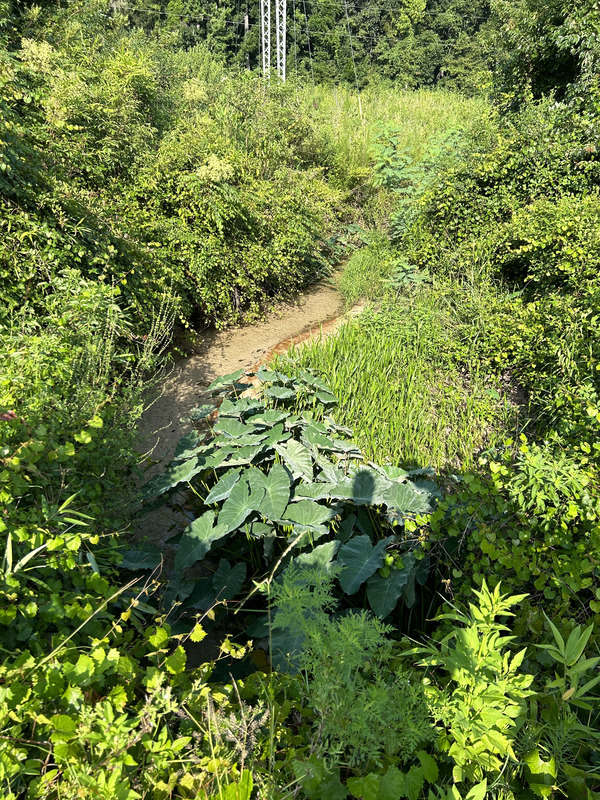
<point x="281" y="14"/>
<point x="265" y="30"/>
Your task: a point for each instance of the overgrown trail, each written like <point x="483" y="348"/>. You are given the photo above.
<point x="223" y="352"/>
<point x="319" y="310"/>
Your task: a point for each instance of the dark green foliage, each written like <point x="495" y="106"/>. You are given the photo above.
<point x="449" y="46"/>
<point x="268" y="484"/>
<point x="148" y="169"/>
<point x="516" y="209"/>
<point x="547" y="48"/>
<point x="354" y="686"/>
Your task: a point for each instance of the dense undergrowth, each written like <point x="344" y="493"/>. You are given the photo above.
<point x="144" y="186"/>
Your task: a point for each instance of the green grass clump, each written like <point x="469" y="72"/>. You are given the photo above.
<point x="366" y="270"/>
<point x="403" y="382"/>
<point x="416" y="115"/>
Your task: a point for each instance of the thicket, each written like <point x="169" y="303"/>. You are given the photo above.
<point x="141" y="184"/>
<point x="405" y="43"/>
<point x="488" y="301"/>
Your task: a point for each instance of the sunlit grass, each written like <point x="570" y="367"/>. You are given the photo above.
<point x="417" y="115"/>
<point x="404" y="388"/>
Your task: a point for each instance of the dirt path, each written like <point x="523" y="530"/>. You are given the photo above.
<point x="223" y="352"/>
<point x="317" y="312"/>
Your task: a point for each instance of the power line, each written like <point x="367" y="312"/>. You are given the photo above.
<point x="353" y="61"/>
<point x="312" y="73"/>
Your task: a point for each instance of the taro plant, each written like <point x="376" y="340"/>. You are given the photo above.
<point x="274" y="476"/>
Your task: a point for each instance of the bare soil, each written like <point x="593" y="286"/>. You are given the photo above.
<point x="222" y="352"/>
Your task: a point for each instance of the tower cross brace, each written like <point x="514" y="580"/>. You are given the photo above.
<point x="280" y="34"/>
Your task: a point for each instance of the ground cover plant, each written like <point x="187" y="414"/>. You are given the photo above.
<point x="273" y="498"/>
<point x="269" y="483"/>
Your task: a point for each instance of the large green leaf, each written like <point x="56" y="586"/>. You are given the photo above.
<point x="404" y="498"/>
<point x="202" y="595"/>
<point x="228" y="580"/>
<point x="172" y="476"/>
<point x="257" y="481"/>
<point x="321" y="556"/>
<point x="364" y="488"/>
<point x="231" y="428"/>
<point x="395" y="784"/>
<point x="364" y="788"/>
<point x="200" y="412"/>
<point x="186" y="445"/>
<point x="349" y="448"/>
<point x="308" y="514"/>
<point x="360" y="560"/>
<point x="248" y="440"/>
<point x="383" y="593"/>
<point x="392" y="473"/>
<point x="269" y="418"/>
<point x="391" y="785"/>
<point x="225" y="380"/>
<point x="268" y="376"/>
<point x="286" y="645"/>
<point x="313" y="380"/>
<point x="280" y="392"/>
<point x="276" y="435"/>
<point x="318" y="439"/>
<point x="237" y="508"/>
<point x="222" y="489"/>
<point x="147" y="557"/>
<point x="297" y="457"/>
<point x="326" y="398"/>
<point x="314" y="491"/>
<point x="242" y="456"/>
<point x="197" y="540"/>
<point x="331" y="473"/>
<point x="238" y="408"/>
<point x="277" y="488"/>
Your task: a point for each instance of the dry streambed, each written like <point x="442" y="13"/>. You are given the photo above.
<point x="318" y="312"/>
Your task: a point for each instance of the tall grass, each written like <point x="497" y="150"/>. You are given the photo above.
<point x="366" y="270"/>
<point x="403" y="382"/>
<point x="417" y="115"/>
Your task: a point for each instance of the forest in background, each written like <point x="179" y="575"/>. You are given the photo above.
<point x="444" y="442"/>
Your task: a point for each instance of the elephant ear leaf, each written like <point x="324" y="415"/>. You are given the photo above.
<point x="187" y="443"/>
<point x="231" y="428"/>
<point x="280" y="392"/>
<point x="238" y="506"/>
<point x="228" y="580"/>
<point x="308" y="514"/>
<point x="225" y="381"/>
<point x="364" y="488"/>
<point x="383" y="593"/>
<point x="277" y="493"/>
<point x="404" y="498"/>
<point x="320" y="557"/>
<point x="222" y="489"/>
<point x="297" y="457"/>
<point x="197" y="539"/>
<point x="359" y="559"/>
<point x="172" y="476"/>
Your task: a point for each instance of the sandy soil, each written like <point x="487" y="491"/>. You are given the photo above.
<point x="223" y="352"/>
